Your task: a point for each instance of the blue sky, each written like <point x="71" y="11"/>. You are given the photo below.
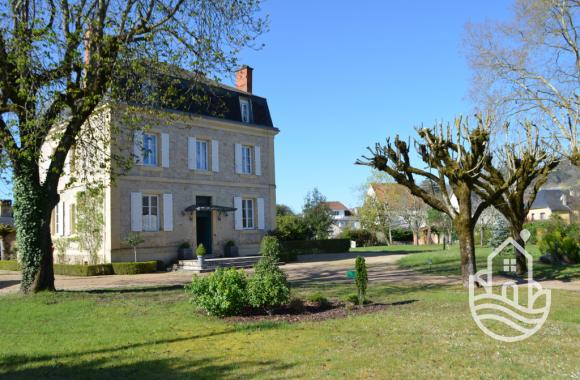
<point x="342" y="75"/>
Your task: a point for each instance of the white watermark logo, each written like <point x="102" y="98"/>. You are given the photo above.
<point x="502" y="317"/>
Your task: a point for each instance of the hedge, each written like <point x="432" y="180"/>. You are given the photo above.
<point x="292" y="248"/>
<point x="135" y="268"/>
<point x="83" y="270"/>
<point x="91" y="270"/>
<point x="9" y="265"/>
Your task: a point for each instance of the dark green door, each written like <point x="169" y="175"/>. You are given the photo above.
<point x="203" y="223"/>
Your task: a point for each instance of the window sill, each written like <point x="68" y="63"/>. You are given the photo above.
<point x="202" y="172"/>
<point x="151" y="168"/>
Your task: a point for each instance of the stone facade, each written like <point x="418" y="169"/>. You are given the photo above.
<point x="176" y="185"/>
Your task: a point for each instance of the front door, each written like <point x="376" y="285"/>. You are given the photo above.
<point x="204" y="233"/>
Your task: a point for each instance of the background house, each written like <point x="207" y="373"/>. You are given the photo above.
<point x="344" y="217"/>
<point x="561" y="202"/>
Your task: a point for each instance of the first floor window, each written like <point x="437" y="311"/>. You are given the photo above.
<point x="150" y="213"/>
<point x="248" y="213"/>
<point x="246" y="159"/>
<point x="542" y="216"/>
<point x="201" y="155"/>
<point x="149" y="149"/>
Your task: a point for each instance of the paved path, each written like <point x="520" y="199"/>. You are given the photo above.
<point x="381" y="267"/>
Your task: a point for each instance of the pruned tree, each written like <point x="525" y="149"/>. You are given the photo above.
<point x="529" y="67"/>
<point x="526" y="164"/>
<point x="61" y="60"/>
<point x="455" y="156"/>
<point x="412" y="210"/>
<point x="377" y="216"/>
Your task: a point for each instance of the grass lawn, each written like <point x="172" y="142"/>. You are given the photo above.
<point x="156" y="335"/>
<point x="447" y="262"/>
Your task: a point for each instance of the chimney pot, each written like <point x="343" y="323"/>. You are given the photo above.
<point x="244" y="78"/>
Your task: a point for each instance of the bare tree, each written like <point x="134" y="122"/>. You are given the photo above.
<point x="526" y="165"/>
<point x="62" y="60"/>
<point x="529" y="68"/>
<point x="454" y="156"/>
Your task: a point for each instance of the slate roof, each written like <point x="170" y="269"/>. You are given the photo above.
<point x="551" y="199"/>
<point x="196" y="95"/>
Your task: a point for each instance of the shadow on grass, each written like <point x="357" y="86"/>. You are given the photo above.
<point x="171" y="368"/>
<point x="140" y="289"/>
<point x="76" y="365"/>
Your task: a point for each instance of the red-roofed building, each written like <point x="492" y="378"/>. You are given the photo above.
<point x="344" y="217"/>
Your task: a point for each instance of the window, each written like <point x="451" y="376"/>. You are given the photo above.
<point x="532" y="216"/>
<point x="335" y="213"/>
<point x="150" y="213"/>
<point x="247" y="159"/>
<point x="245" y="110"/>
<point x="201" y="155"/>
<point x="542" y="216"/>
<point x="149" y="149"/>
<point x="248" y="213"/>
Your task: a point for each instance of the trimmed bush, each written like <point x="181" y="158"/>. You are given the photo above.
<point x="291" y="249"/>
<point x="9" y="265"/>
<point x="222" y="293"/>
<point x="135" y="268"/>
<point x="268" y="288"/>
<point x="83" y="270"/>
<point x="270" y="247"/>
<point x="403" y="235"/>
<point x="361" y="279"/>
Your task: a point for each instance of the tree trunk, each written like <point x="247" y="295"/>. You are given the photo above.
<point x="390" y="236"/>
<point x="32" y="210"/>
<point x="466" y="249"/>
<point x="521" y="266"/>
<point x="481" y="235"/>
<point x="2" y="249"/>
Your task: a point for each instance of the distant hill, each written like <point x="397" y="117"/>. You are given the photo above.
<point x="565" y="176"/>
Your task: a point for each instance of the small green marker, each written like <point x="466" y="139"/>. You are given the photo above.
<point x="350" y="274"/>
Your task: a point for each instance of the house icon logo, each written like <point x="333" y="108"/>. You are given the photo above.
<point x="506" y="316"/>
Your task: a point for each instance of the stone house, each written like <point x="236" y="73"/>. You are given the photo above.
<point x="198" y="177"/>
<point x="559" y="202"/>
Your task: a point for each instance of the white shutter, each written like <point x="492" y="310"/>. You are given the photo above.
<point x="258" y="159"/>
<point x="136" y="212"/>
<point x="138" y="146"/>
<point x="168" y="212"/>
<point x="191" y="152"/>
<point x="58" y="219"/>
<point x="238" y="158"/>
<point x="165" y="150"/>
<point x="261" y="214"/>
<point x="65" y="221"/>
<point x="215" y="155"/>
<point x="238" y="213"/>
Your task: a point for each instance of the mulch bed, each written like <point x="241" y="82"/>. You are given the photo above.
<point x="312" y="312"/>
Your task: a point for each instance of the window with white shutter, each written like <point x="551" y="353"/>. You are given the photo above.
<point x="136" y="210"/>
<point x="168" y="212"/>
<point x="215" y="156"/>
<point x="165" y="150"/>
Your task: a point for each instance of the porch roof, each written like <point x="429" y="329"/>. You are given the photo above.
<point x="194" y="208"/>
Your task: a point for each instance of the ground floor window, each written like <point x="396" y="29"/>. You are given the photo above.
<point x="150" y="214"/>
<point x="248" y="213"/>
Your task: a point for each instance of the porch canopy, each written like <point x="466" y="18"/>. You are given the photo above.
<point x="194" y="208"/>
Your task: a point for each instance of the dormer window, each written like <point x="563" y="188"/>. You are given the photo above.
<point x="245" y="110"/>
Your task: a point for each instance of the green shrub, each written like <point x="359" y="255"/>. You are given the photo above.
<point x="83" y="270"/>
<point x="402" y="234"/>
<point x="268" y="288"/>
<point x="271" y="247"/>
<point x="200" y="250"/>
<point x="353" y="299"/>
<point x="222" y="293"/>
<point x="135" y="268"/>
<point x="9" y="265"/>
<point x="563" y="248"/>
<point x="363" y="238"/>
<point x="291" y="227"/>
<point x="361" y="279"/>
<point x="318" y="298"/>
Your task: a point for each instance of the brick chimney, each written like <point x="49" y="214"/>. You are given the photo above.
<point x="244" y="78"/>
